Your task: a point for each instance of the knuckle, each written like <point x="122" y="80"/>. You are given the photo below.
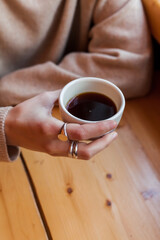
<point x="86" y="155"/>
<point x="101" y="127"/>
<point x="48" y="149"/>
<point x="45" y="95"/>
<point x="41" y="127"/>
<point x="80" y="134"/>
<point x="44" y="129"/>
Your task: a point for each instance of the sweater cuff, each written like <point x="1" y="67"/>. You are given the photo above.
<point x="7" y="153"/>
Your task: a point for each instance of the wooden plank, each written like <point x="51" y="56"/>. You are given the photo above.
<point x="115" y="195"/>
<point x="19" y="216"/>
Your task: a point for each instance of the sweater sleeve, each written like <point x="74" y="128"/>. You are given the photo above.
<point x="119" y="50"/>
<point x="7" y="153"/>
<point x="120" y="47"/>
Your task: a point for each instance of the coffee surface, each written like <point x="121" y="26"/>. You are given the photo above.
<point x="91" y="106"/>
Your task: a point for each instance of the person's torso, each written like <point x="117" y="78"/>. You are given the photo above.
<point x="33" y="32"/>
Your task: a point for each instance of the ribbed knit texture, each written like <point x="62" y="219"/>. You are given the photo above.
<point x="6" y="153"/>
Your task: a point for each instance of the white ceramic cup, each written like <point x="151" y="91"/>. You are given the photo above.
<point x="90" y="84"/>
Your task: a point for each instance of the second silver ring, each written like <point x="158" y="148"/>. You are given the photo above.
<point x="73" y="151"/>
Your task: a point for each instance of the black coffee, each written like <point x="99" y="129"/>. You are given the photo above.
<point x="91" y="106"/>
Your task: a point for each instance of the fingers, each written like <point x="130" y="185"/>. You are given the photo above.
<point x="79" y="132"/>
<point x="89" y="131"/>
<point x="85" y="151"/>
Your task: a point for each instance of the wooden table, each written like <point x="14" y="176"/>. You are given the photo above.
<point x="113" y="196"/>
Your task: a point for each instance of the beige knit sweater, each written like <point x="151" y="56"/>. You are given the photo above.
<point x="45" y="44"/>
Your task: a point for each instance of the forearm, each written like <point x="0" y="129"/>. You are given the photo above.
<point x="119" y="50"/>
<point x="26" y="83"/>
<point x="131" y="72"/>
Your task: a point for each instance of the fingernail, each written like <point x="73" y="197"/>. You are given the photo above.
<point x="114" y="135"/>
<point x="115" y="124"/>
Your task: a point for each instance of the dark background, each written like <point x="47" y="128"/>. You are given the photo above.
<point x="156" y="51"/>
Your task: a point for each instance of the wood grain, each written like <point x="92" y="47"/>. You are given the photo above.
<point x="19" y="217"/>
<point x="115" y="195"/>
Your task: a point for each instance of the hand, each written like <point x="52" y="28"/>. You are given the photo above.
<point x="31" y="125"/>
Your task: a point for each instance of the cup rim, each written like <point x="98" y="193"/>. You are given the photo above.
<point x="119" y="112"/>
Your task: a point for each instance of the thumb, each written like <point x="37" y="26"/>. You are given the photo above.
<point x="49" y="99"/>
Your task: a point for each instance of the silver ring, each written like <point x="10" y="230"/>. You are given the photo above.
<point x="75" y="150"/>
<point x="70" y="154"/>
<point x="63" y="136"/>
<point x="65" y="129"/>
